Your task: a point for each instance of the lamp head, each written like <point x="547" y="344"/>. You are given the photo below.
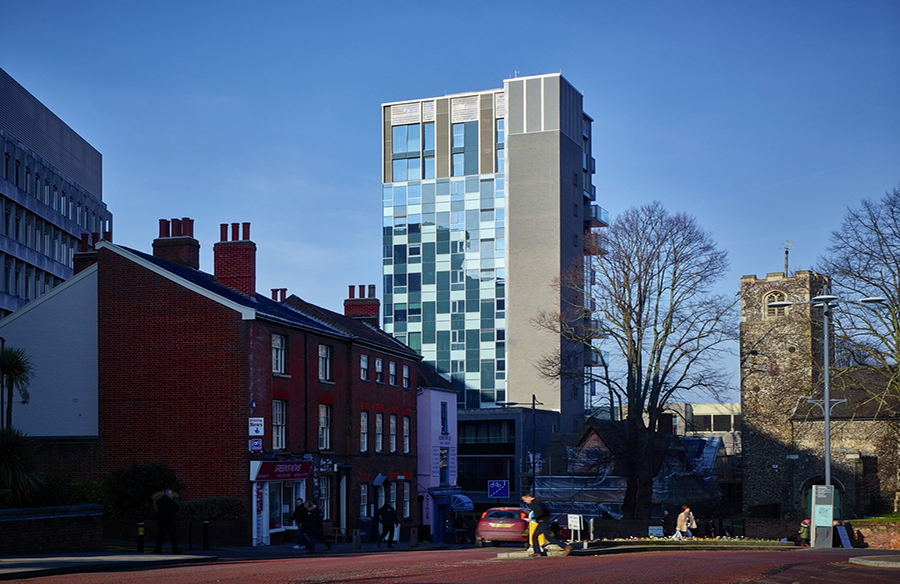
<point x="826" y="298"/>
<point x="873" y="300"/>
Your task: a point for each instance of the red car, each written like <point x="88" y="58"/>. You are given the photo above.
<point x="501" y="524"/>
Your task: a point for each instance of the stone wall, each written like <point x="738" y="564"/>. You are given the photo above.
<point x="875" y="534"/>
<point x="51" y="529"/>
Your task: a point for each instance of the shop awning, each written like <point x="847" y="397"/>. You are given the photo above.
<point x="279" y="471"/>
<point x="461" y="503"/>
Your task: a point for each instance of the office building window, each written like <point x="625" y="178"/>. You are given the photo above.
<point x="379" y="374"/>
<point x="406" y="376"/>
<point x="379" y="432"/>
<point x="392" y="373"/>
<point x="324" y="426"/>
<point x="324" y="363"/>
<point x="364" y="367"/>
<point x="393" y="432"/>
<point x="278" y="354"/>
<point x="278" y="425"/>
<point x="364" y="431"/>
<point x="363" y="500"/>
<point x="406" y="439"/>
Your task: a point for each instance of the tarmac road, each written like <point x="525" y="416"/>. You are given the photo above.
<point x="481" y="566"/>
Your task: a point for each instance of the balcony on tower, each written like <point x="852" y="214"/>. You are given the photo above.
<point x="595" y="244"/>
<point x="595" y="216"/>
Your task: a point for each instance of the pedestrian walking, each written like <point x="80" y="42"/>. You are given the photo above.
<point x="685" y="523"/>
<point x="542" y="518"/>
<point x="300" y="517"/>
<point x="387" y="519"/>
<point x="166" y="508"/>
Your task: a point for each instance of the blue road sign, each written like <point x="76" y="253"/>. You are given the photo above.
<point x="498" y="489"/>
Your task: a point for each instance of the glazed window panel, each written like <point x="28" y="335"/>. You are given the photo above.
<point x="379" y="432"/>
<point x="278" y="353"/>
<point x="278" y="424"/>
<point x="364" y="431"/>
<point x="393" y="432"/>
<point x="324" y="363"/>
<point x="364" y="367"/>
<point x="324" y="426"/>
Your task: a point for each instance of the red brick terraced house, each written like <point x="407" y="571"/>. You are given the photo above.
<point x="145" y="358"/>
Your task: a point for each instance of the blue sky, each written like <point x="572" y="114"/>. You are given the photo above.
<point x="764" y="119"/>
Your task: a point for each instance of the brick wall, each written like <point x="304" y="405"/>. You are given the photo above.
<point x="75" y="527"/>
<point x="173" y="381"/>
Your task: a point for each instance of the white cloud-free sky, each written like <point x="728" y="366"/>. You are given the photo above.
<point x="764" y="119"/>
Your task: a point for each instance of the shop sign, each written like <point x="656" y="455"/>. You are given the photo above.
<point x="282" y="471"/>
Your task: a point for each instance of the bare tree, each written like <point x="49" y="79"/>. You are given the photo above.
<point x="863" y="261"/>
<point x="650" y="300"/>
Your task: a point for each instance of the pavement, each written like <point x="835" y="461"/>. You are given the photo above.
<point x="123" y="556"/>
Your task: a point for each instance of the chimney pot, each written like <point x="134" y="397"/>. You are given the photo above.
<point x="234" y="231"/>
<point x="187" y="226"/>
<point x="176" y="228"/>
<point x="95" y="237"/>
<point x="223" y="232"/>
<point x="246" y="227"/>
<point x="274" y="293"/>
<point x="371" y="290"/>
<point x="362" y="291"/>
<point x="352" y="292"/>
<point x="163" y="228"/>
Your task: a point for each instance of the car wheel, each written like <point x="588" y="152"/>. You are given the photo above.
<point x="479" y="542"/>
<point x="495" y="543"/>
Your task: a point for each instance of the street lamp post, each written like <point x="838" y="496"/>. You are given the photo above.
<point x="534" y="404"/>
<point x="826" y="300"/>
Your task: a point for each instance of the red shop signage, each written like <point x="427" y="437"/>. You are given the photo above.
<point x="280" y="471"/>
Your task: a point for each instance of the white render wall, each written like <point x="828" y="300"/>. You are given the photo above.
<point x="59" y="333"/>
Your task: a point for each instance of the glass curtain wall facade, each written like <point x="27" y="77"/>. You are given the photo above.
<point x="487" y="198"/>
<point x="444" y="241"/>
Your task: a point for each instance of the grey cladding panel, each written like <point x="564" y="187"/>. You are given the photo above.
<point x="387" y="146"/>
<point x="533" y="121"/>
<point x="551" y="103"/>
<point x="486" y="115"/>
<point x="442" y="139"/>
<point x="515" y="102"/>
<point x="30" y="122"/>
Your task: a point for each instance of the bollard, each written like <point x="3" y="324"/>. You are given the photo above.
<point x="356" y="544"/>
<point x="140" y="537"/>
<point x="190" y="535"/>
<point x="414" y="537"/>
<point x="206" y="535"/>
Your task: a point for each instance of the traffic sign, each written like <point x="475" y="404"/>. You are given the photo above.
<point x="498" y="489"/>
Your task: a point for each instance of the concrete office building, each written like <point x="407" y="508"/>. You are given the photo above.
<point x="51" y="192"/>
<point x="487" y="199"/>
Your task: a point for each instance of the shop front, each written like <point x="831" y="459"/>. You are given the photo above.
<point x="275" y="486"/>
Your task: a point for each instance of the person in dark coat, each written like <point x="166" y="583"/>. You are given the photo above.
<point x="166" y="507"/>
<point x="387" y="518"/>
<point x="542" y="518"/>
<point x="300" y="517"/>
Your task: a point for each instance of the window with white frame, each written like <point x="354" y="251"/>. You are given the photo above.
<point x="324" y="363"/>
<point x="392" y="373"/>
<point x="379" y="374"/>
<point x="406" y="502"/>
<point x="364" y="367"/>
<point x="364" y="431"/>
<point x="364" y="500"/>
<point x="278" y="425"/>
<point x="325" y="497"/>
<point x="379" y="432"/>
<point x="406" y="425"/>
<point x="324" y="426"/>
<point x="393" y="432"/>
<point x="406" y="376"/>
<point x="278" y="353"/>
<point x="394" y="495"/>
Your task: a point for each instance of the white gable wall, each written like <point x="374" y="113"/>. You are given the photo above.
<point x="59" y="333"/>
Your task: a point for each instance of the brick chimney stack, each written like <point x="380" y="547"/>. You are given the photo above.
<point x="86" y="256"/>
<point x="365" y="308"/>
<point x="235" y="259"/>
<point x="176" y="243"/>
